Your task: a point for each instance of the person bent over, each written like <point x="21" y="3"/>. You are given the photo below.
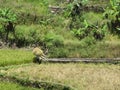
<point x="39" y="55"/>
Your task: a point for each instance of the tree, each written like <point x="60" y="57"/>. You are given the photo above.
<point x="8" y="19"/>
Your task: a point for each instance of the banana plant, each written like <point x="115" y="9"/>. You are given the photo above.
<point x="112" y="14"/>
<point x="7" y="19"/>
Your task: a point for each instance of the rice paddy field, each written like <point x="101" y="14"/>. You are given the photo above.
<point x="36" y="24"/>
<point x="79" y="76"/>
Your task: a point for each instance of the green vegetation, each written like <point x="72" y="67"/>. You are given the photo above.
<point x="112" y="16"/>
<point x="7" y="18"/>
<point x="13" y="86"/>
<point x="10" y="56"/>
<point x="78" y="24"/>
<point x="79" y="28"/>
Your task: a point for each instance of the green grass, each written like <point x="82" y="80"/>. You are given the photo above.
<point x="108" y="49"/>
<point x="14" y="86"/>
<point x="15" y="56"/>
<point x="93" y="18"/>
<point x="78" y="75"/>
<point x="26" y="6"/>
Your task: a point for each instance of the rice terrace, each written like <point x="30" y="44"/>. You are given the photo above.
<point x="59" y="44"/>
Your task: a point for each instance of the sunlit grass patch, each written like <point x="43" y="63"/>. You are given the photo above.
<point x="15" y="56"/>
<point x="14" y="86"/>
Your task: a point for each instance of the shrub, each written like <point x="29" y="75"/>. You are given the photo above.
<point x="53" y="40"/>
<point x="28" y="35"/>
<point x="89" y="40"/>
<point x="59" y="52"/>
<point x="112" y="15"/>
<point x="96" y="31"/>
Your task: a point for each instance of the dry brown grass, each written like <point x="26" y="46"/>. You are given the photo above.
<point x="78" y="75"/>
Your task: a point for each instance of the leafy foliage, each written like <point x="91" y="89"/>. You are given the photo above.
<point x="52" y="40"/>
<point x="98" y="32"/>
<point x="7" y="15"/>
<point x="36" y="23"/>
<point x="8" y="18"/>
<point x="112" y="14"/>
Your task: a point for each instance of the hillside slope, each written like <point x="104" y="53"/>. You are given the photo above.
<point x="62" y="34"/>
